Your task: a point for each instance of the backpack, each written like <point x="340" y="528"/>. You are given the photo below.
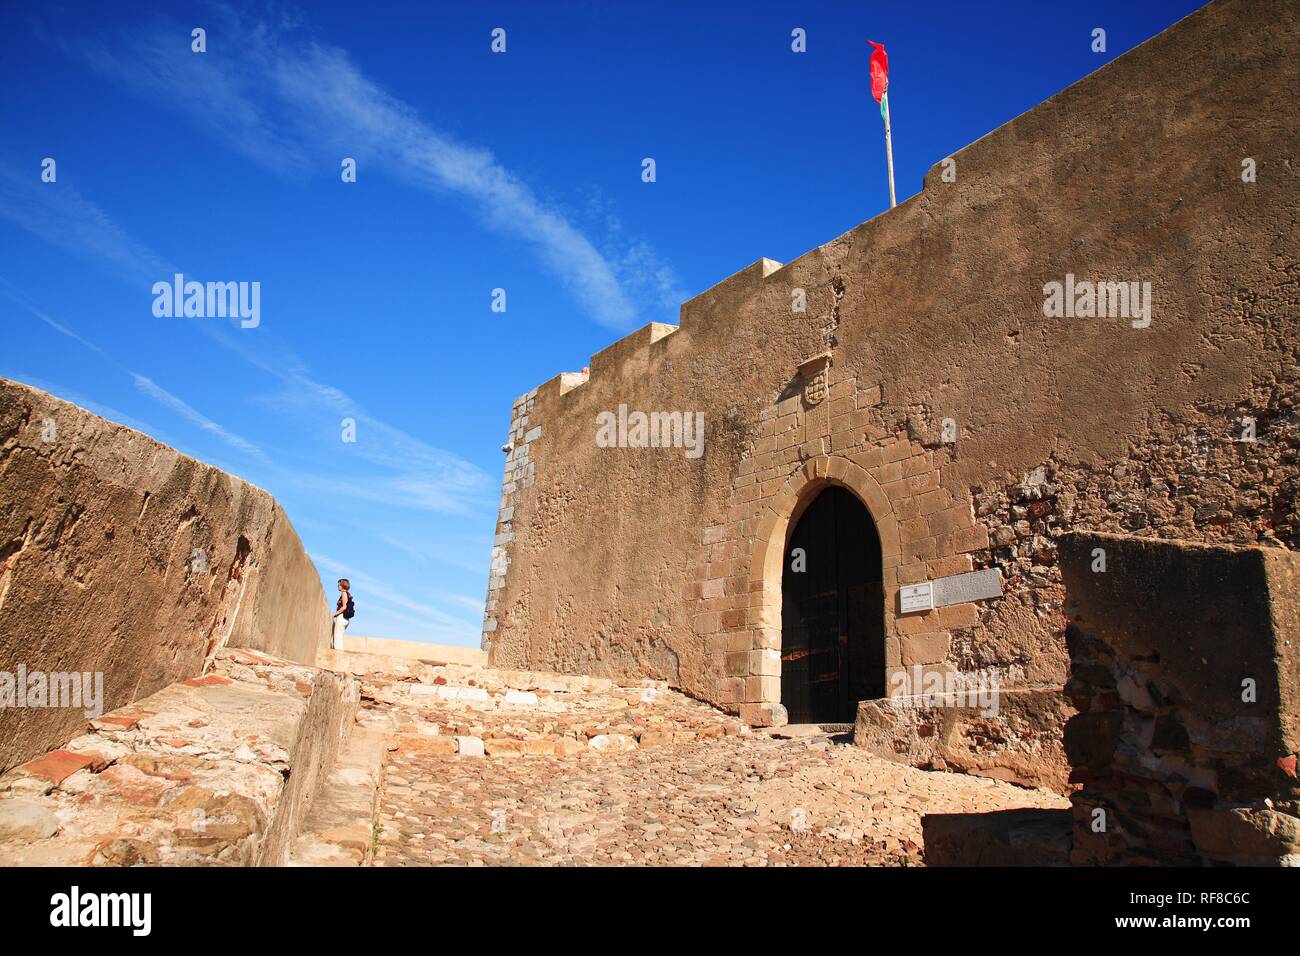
<point x="350" y="610"/>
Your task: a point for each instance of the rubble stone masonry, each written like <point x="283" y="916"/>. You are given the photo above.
<point x="924" y="376"/>
<point x="1186" y="673"/>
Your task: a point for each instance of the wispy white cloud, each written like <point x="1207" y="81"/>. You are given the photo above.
<point x="468" y="603"/>
<point x="145" y="385"/>
<point x="468" y="556"/>
<point x="12" y="292"/>
<point x="420" y="476"/>
<point x="412" y="474"/>
<point x="287" y="102"/>
<point x="62" y="216"/>
<point x="435" y="622"/>
<point x="194" y="417"/>
<point x="417" y="628"/>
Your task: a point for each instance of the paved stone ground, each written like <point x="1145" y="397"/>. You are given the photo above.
<point x="580" y="772"/>
<point x="452" y="764"/>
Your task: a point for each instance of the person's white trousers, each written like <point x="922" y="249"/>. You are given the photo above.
<point x="340" y="626"/>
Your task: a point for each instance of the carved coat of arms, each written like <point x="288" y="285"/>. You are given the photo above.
<point x="816" y="376"/>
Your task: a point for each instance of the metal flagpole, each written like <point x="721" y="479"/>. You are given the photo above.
<point x="889" y="149"/>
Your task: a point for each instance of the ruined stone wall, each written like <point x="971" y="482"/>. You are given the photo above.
<point x="1186" y="672"/>
<point x="976" y="428"/>
<point x="121" y="556"/>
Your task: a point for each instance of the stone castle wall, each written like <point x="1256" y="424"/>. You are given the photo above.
<point x="1186" y="675"/>
<point x="646" y="561"/>
<point x="121" y="556"/>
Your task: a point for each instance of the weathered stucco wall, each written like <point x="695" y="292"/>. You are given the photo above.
<point x="99" y="526"/>
<point x="646" y="561"/>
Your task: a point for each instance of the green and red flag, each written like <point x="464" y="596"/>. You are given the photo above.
<point x="879" y="74"/>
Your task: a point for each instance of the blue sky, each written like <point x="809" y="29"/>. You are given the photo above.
<point x="475" y="171"/>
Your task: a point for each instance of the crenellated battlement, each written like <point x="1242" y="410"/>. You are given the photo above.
<point x="630" y="354"/>
<point x="728" y="293"/>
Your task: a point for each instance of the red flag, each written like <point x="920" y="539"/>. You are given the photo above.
<point x="879" y="70"/>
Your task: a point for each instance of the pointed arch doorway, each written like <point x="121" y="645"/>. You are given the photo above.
<point x="832" y="611"/>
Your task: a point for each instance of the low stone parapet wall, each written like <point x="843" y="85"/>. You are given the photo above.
<point x="125" y="566"/>
<point x="1015" y="736"/>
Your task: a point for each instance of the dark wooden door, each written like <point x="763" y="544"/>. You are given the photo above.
<point x="832" y="611"/>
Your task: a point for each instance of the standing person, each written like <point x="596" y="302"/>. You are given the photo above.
<point x="343" y="612"/>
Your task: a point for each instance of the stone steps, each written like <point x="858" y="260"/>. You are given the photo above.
<point x="438" y="744"/>
<point x="473" y="720"/>
<point x="340" y="830"/>
<point x="459" y="674"/>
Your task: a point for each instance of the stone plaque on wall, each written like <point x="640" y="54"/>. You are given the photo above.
<point x="915" y="597"/>
<point x="972" y="586"/>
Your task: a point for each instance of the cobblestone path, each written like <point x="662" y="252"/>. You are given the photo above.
<point x="578" y="771"/>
